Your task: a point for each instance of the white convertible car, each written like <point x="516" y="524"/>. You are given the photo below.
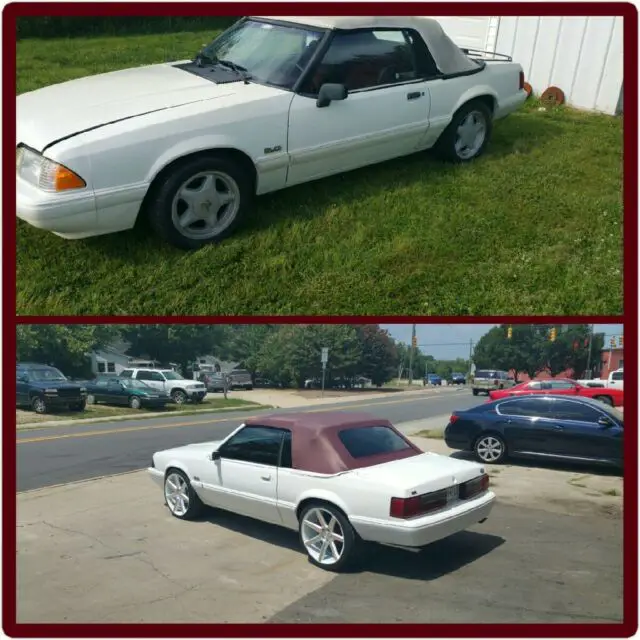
<point x="338" y="478"/>
<point x="272" y="102"/>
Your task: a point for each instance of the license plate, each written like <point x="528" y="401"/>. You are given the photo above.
<point x="452" y="493"/>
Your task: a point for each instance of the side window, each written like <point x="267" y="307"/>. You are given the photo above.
<point x="567" y="410"/>
<point x="534" y="386"/>
<point x="525" y="407"/>
<point x="144" y="375"/>
<point x="157" y="377"/>
<point x="561" y="384"/>
<point x="617" y="376"/>
<point x="254" y="444"/>
<point x="364" y="60"/>
<point x="126" y="373"/>
<point x="114" y="384"/>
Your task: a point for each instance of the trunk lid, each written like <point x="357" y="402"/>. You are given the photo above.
<point x="420" y="474"/>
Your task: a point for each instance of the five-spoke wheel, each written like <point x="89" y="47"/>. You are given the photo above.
<point x="182" y="500"/>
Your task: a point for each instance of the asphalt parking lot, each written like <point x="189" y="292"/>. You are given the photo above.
<point x="107" y="550"/>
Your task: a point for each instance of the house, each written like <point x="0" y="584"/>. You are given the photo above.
<point x="611" y="359"/>
<point x="583" y="56"/>
<point x="112" y="359"/>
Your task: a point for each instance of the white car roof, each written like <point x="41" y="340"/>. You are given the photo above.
<point x="446" y="54"/>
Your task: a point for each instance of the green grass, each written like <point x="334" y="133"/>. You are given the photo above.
<point x="110" y="411"/>
<point x="533" y="227"/>
<point x="434" y="434"/>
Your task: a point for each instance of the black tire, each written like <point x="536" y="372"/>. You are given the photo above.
<point x="135" y="402"/>
<point x="474" y="391"/>
<point x="78" y="406"/>
<point x="159" y="208"/>
<point x="604" y="399"/>
<point x="195" y="508"/>
<point x="179" y="396"/>
<point x="352" y="547"/>
<point x="478" y="446"/>
<point x="445" y="148"/>
<point x="250" y="388"/>
<point x="39" y="405"/>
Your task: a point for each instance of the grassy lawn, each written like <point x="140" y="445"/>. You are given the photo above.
<point x="534" y="227"/>
<point x="107" y="411"/>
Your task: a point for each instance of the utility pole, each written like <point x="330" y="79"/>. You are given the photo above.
<point x="589" y="354"/>
<point x="413" y="346"/>
<point x="470" y="355"/>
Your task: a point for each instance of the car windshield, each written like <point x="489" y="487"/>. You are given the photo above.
<point x="135" y="384"/>
<point x="44" y="375"/>
<point x="269" y="53"/>
<point x="172" y="375"/>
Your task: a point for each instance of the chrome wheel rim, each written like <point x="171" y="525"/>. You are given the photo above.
<point x="489" y="449"/>
<point x="205" y="205"/>
<point x="39" y="405"/>
<point x="470" y="135"/>
<point x="135" y="403"/>
<point x="176" y="493"/>
<point x="91" y="399"/>
<point x="322" y="536"/>
<point x="179" y="398"/>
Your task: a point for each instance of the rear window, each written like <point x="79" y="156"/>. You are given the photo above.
<point x="485" y="374"/>
<point x="618" y="375"/>
<point x="363" y="442"/>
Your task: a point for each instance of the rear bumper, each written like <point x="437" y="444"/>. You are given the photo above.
<point x="423" y="531"/>
<point x="510" y="104"/>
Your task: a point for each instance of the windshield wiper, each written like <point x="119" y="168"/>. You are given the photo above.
<point x="240" y="70"/>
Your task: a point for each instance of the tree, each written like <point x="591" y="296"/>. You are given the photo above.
<point x="179" y="343"/>
<point x="379" y="354"/>
<point x="570" y="350"/>
<point x="63" y="346"/>
<point x="245" y="342"/>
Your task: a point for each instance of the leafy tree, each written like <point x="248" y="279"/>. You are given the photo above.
<point x="63" y="346"/>
<point x="379" y="357"/>
<point x="244" y="343"/>
<point x="570" y="350"/>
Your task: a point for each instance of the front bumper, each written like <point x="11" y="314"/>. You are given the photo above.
<point x="197" y="395"/>
<point x="157" y="476"/>
<point x="52" y="400"/>
<point x="427" y="529"/>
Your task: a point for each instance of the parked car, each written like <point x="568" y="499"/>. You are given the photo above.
<point x="486" y="380"/>
<point x="265" y="383"/>
<point x="433" y="379"/>
<point x="44" y="388"/>
<point x="126" y="391"/>
<point x="615" y="380"/>
<point x="179" y="389"/>
<point x="213" y="381"/>
<point x="542" y="427"/>
<point x="270" y="103"/>
<point x="338" y="478"/>
<point x="458" y="378"/>
<point x="564" y="387"/>
<point x="240" y="379"/>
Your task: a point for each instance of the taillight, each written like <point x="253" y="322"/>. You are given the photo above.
<point x="521" y="80"/>
<point x="418" y="505"/>
<point x="453" y="418"/>
<point x="474" y="487"/>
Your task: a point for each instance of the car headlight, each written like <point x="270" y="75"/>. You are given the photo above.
<point x="45" y="174"/>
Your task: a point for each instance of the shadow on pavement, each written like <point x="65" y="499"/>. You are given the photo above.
<point x="438" y="559"/>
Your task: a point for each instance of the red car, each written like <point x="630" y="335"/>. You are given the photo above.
<point x="564" y="387"/>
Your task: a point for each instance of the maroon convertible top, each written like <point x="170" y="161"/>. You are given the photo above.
<point x="316" y="445"/>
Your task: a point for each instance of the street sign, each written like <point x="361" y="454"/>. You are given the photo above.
<point x="325" y="355"/>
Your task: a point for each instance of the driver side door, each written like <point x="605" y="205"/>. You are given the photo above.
<point x="244" y="479"/>
<point x="385" y="115"/>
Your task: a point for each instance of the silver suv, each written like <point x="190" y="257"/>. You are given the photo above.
<point x="485" y="380"/>
<point x="180" y="389"/>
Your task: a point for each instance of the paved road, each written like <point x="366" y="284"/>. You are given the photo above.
<point x="56" y="455"/>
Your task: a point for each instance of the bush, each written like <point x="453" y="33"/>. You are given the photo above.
<point x="69" y="27"/>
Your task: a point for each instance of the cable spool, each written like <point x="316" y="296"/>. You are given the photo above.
<point x="552" y="97"/>
<point x="528" y="88"/>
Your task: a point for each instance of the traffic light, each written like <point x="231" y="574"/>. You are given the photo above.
<point x="509" y="333"/>
<point x="612" y="342"/>
<point x="414" y="342"/>
<point x="553" y="334"/>
<point x="621" y="341"/>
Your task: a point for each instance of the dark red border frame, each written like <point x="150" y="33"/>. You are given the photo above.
<point x="630" y="318"/>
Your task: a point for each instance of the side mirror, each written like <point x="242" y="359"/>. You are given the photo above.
<point x="330" y="92"/>
<point x="215" y="456"/>
<point x="603" y="421"/>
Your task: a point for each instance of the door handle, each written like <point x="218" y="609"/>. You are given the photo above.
<point x="414" y="95"/>
<point x="266" y="478"/>
<point x="557" y="427"/>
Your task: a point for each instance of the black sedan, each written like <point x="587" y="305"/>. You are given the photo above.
<point x="543" y="427"/>
<point x="126" y="391"/>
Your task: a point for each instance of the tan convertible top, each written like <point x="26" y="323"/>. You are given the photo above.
<point x="446" y="54"/>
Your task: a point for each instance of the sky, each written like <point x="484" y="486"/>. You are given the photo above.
<point x="450" y="341"/>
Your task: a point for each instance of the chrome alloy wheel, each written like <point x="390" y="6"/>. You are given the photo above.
<point x="322" y="536"/>
<point x="489" y="449"/>
<point x="176" y="493"/>
<point x="205" y="205"/>
<point x="470" y="135"/>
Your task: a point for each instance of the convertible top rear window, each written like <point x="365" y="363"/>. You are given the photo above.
<point x="362" y="442"/>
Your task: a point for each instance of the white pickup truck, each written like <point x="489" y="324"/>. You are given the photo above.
<point x="180" y="389"/>
<point x="613" y="381"/>
<point x="270" y="103"/>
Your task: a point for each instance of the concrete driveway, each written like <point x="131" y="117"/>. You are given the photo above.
<point x="107" y="550"/>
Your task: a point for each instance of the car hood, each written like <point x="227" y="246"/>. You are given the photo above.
<point x="59" y="111"/>
<point x="422" y="473"/>
<point x="56" y="385"/>
<point x="191" y="451"/>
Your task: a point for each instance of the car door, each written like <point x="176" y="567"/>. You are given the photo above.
<point x="99" y="390"/>
<point x="385" y="114"/>
<point x="244" y="478"/>
<point x="115" y="392"/>
<point x="579" y="434"/>
<point x="153" y="378"/>
<point x="22" y="388"/>
<point x="525" y="425"/>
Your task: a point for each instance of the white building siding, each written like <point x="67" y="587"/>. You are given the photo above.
<point x="583" y="56"/>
